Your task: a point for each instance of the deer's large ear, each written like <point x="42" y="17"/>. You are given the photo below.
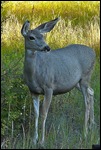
<point x="48" y="26"/>
<point x="25" y="28"/>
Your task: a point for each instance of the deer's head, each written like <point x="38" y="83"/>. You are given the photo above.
<point x="34" y="39"/>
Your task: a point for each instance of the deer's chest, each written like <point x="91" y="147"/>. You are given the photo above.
<point x="31" y="77"/>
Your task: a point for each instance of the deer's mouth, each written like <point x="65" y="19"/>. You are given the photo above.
<point x="46" y="49"/>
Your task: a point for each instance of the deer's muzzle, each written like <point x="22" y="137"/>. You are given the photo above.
<point x="46" y="48"/>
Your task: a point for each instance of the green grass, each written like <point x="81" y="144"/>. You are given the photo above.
<point x="79" y="23"/>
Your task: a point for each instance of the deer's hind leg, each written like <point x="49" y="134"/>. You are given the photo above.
<point x="88" y="94"/>
<point x="91" y="99"/>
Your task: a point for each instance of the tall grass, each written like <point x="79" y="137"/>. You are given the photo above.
<point x="62" y="35"/>
<point x="79" y="23"/>
<point x="43" y="10"/>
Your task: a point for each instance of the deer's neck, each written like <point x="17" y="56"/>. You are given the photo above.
<point x="30" y="61"/>
<point x="30" y="58"/>
<point x="29" y="53"/>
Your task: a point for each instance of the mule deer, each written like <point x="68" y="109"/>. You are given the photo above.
<point x="55" y="72"/>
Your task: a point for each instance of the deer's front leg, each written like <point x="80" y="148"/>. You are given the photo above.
<point x="36" y="111"/>
<point x="44" y="112"/>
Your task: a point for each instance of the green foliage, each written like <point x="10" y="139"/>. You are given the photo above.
<point x="79" y="23"/>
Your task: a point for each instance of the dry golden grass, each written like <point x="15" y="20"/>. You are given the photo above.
<point x="62" y="35"/>
<point x="79" y="22"/>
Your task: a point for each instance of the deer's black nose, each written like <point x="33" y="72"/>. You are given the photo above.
<point x="46" y="48"/>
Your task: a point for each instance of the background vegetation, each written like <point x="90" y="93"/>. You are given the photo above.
<point x="79" y="23"/>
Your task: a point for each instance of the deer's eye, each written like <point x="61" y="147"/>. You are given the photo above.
<point x="31" y="38"/>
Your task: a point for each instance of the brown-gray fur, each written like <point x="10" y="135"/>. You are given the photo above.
<point x="51" y="72"/>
